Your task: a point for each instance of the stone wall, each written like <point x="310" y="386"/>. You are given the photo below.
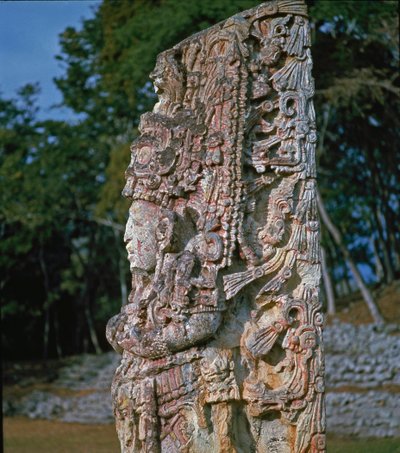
<point x="363" y="380"/>
<point x="362" y="376"/>
<point x="80" y="393"/>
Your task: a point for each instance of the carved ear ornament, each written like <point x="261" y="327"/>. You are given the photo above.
<point x="226" y="160"/>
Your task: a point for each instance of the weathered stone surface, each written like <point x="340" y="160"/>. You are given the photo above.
<point x="363" y="379"/>
<point x="362" y="356"/>
<point x="94" y="407"/>
<point x="371" y="414"/>
<point x="78" y="393"/>
<point x="221" y="335"/>
<point x="358" y="402"/>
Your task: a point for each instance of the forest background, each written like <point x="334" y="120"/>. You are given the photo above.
<point x="63" y="267"/>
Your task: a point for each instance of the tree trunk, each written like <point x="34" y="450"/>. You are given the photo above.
<point x="331" y="261"/>
<point x="57" y="335"/>
<point x="46" y="333"/>
<point x="84" y="299"/>
<point x="377" y="260"/>
<point x="367" y="296"/>
<point x="92" y="330"/>
<point x="347" y="281"/>
<point x="46" y="329"/>
<point x="393" y="221"/>
<point x="382" y="222"/>
<point x="328" y="284"/>
<point x="389" y="274"/>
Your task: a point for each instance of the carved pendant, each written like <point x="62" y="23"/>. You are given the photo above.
<point x="221" y="335"/>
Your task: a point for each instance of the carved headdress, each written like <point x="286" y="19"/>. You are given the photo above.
<point x="223" y="242"/>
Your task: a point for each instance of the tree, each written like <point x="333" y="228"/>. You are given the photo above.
<point x="356" y="56"/>
<point x="62" y="259"/>
<point x="55" y="259"/>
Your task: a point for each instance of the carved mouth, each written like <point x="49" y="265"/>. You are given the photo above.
<point x="158" y="86"/>
<point x="129" y="249"/>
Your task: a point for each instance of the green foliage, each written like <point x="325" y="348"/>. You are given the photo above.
<point x="62" y="260"/>
<point x="111" y="204"/>
<point x="356" y="57"/>
<point x="109" y="60"/>
<point x="51" y="176"/>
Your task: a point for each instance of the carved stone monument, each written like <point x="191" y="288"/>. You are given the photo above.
<point x="221" y="334"/>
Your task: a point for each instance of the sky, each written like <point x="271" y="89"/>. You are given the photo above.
<point x="29" y="42"/>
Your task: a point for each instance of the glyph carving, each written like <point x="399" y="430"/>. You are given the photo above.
<point x="221" y="335"/>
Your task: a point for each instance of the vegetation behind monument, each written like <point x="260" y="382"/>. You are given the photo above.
<point x="63" y="265"/>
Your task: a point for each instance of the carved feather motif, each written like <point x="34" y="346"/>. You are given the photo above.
<point x="222" y="184"/>
<point x="261" y="341"/>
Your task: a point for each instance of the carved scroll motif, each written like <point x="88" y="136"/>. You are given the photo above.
<point x="221" y="335"/>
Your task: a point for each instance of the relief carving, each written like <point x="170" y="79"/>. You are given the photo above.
<point x="221" y="334"/>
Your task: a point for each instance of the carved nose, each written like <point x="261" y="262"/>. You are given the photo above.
<point x="128" y="235"/>
<point x="129" y="245"/>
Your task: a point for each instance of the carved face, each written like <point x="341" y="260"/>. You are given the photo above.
<point x="140" y="235"/>
<point x="221" y="181"/>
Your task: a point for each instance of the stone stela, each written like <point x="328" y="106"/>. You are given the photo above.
<point x="221" y="334"/>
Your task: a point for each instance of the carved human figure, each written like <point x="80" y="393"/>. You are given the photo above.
<point x="221" y="334"/>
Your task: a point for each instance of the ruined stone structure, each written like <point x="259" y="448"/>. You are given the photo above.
<point x="221" y="335"/>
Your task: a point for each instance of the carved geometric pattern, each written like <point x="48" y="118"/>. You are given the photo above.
<point x="221" y="334"/>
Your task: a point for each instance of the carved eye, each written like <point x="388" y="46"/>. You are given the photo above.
<point x="308" y="340"/>
<point x="312" y="137"/>
<point x="258" y="272"/>
<point x="267" y="106"/>
<point x="280" y="30"/>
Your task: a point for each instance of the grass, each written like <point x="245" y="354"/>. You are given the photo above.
<point x="22" y="435"/>
<point x="337" y="445"/>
